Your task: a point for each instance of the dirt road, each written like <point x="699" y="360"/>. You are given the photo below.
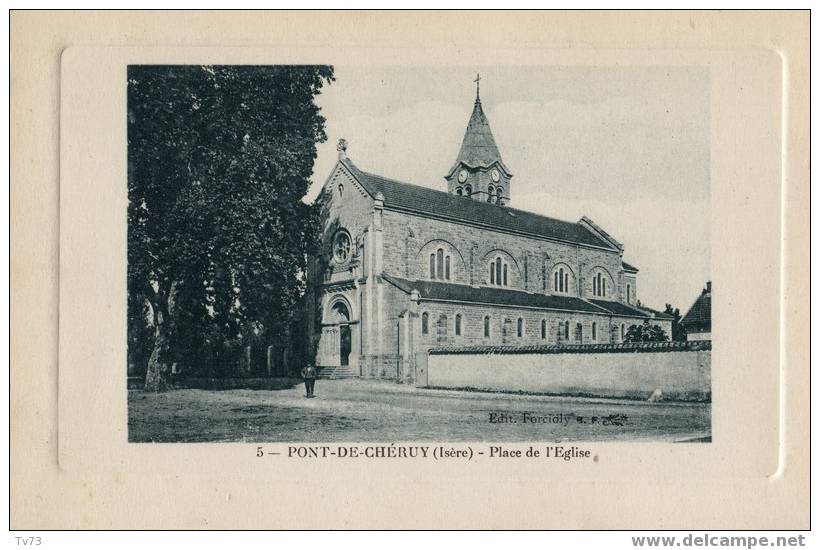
<point x="365" y="410"/>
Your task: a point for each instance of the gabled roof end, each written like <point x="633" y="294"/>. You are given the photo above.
<point x="594" y="228"/>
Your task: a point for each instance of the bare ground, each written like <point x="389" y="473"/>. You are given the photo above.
<point x="367" y="410"/>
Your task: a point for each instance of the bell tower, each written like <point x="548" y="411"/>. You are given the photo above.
<point x="479" y="173"/>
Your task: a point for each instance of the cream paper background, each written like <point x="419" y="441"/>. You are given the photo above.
<point x="71" y="464"/>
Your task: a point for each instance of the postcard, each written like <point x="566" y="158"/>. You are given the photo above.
<point x="386" y="279"/>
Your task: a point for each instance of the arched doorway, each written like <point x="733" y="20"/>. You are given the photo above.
<point x="341" y="315"/>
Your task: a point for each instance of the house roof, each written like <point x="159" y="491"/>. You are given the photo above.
<point x="700" y="314"/>
<point x="435" y="290"/>
<point x="655" y="313"/>
<point x="478" y="149"/>
<point x="445" y="205"/>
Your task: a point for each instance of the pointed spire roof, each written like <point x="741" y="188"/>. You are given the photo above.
<point x="478" y="148"/>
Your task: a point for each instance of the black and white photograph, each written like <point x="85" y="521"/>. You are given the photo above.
<point x="418" y="253"/>
<point x="378" y="270"/>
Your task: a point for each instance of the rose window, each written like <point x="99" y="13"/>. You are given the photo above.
<point x="341" y="247"/>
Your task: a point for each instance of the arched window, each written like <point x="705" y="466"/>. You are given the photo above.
<point x="499" y="272"/>
<point x="628" y="294"/>
<point x="341" y="246"/>
<point x="599" y="284"/>
<point x="487" y="326"/>
<point x="499" y="192"/>
<point x="579" y="332"/>
<point x="543" y="329"/>
<point x="458" y="324"/>
<point x="594" y="331"/>
<point x="490" y="193"/>
<point x="566" y="330"/>
<point x="425" y="323"/>
<point x="442" y="325"/>
<point x="440" y="265"/>
<point x="520" y="327"/>
<point x="459" y="191"/>
<point x="341" y="190"/>
<point x="561" y="280"/>
<point x="468" y="191"/>
<point x="623" y="331"/>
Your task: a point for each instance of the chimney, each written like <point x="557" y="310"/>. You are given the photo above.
<point x="708" y="287"/>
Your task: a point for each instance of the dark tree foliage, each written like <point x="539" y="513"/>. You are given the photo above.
<point x="678" y="330"/>
<point x="646" y="333"/>
<point x="140" y="335"/>
<point x="219" y="159"/>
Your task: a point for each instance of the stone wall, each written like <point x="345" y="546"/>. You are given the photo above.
<point x="678" y="370"/>
<point x="351" y="209"/>
<point x="382" y="353"/>
<point x="631" y="280"/>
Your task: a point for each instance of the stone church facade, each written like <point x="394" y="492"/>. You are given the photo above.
<point x="406" y="268"/>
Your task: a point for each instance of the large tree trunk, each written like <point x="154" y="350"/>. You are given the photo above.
<point x="156" y="377"/>
<point x="159" y="366"/>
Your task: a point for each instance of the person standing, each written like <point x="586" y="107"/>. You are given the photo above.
<point x="309" y="374"/>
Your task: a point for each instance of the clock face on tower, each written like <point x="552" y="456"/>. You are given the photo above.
<point x="462" y="176"/>
<point x="495" y="175"/>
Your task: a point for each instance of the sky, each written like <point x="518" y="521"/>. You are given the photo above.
<point x="627" y="147"/>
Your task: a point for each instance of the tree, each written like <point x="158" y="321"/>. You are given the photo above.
<point x="678" y="330"/>
<point x="646" y="333"/>
<point x="219" y="158"/>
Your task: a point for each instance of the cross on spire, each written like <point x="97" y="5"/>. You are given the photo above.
<point x="477" y="85"/>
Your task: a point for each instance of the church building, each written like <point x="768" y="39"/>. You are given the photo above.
<point x="406" y="268"/>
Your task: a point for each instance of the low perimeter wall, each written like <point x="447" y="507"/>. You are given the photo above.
<point x="680" y="370"/>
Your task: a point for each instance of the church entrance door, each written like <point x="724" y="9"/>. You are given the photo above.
<point x="344" y="345"/>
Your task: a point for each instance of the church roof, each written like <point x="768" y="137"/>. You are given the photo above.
<point x="700" y="314"/>
<point x="618" y="308"/>
<point x="435" y="290"/>
<point x="478" y="148"/>
<point x="629" y="268"/>
<point x="453" y="207"/>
